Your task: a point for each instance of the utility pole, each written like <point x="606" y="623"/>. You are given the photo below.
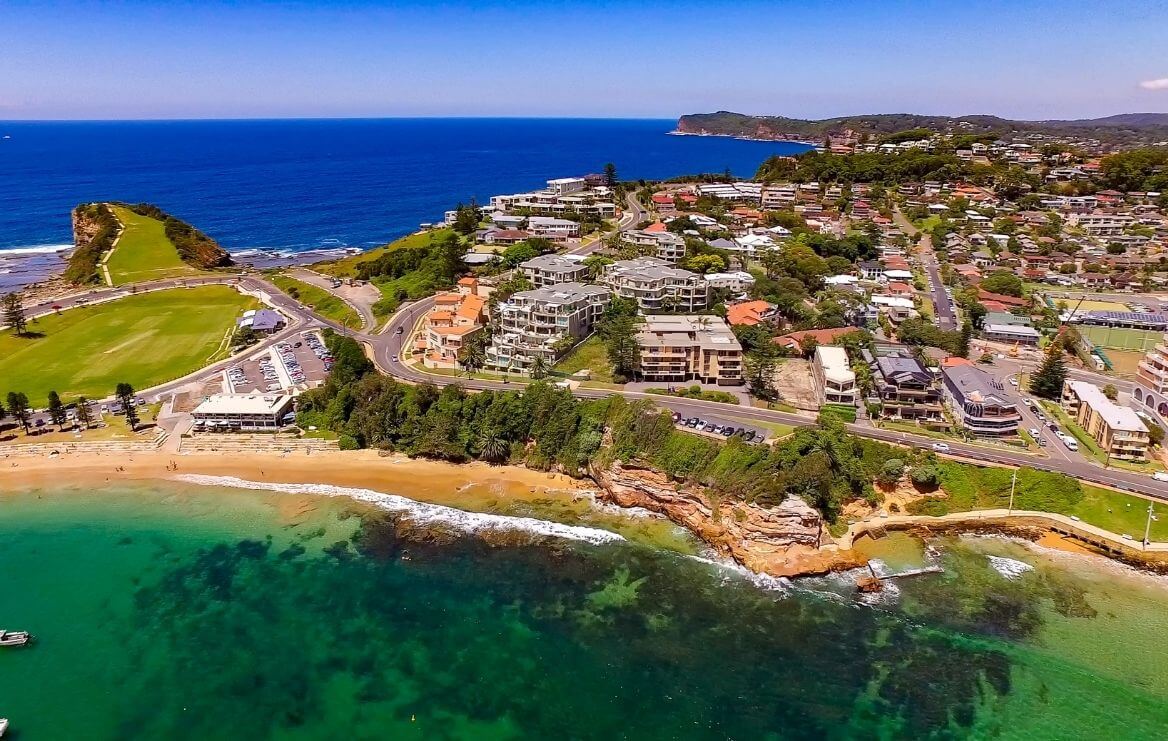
<point x="1013" y="484"/>
<point x="1148" y="526"/>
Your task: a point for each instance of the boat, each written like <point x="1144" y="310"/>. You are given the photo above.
<point x="3" y="725"/>
<point x="14" y="638"/>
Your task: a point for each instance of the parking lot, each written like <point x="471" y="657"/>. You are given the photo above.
<point x="300" y="362"/>
<point x="720" y="428"/>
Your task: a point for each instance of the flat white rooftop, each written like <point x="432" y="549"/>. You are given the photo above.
<point x="243" y="404"/>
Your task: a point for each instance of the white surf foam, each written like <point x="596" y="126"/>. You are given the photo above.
<point x="35" y="250"/>
<point x="1009" y="567"/>
<point x="734" y="570"/>
<point x="422" y="512"/>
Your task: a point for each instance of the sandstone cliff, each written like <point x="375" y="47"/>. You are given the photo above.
<point x="781" y="541"/>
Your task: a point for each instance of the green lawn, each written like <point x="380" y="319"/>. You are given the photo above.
<point x="320" y="300"/>
<point x="145" y="340"/>
<point x="346" y="267"/>
<point x="590" y="354"/>
<point x="143" y="252"/>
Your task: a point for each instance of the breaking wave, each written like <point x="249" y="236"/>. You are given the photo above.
<point x="420" y="512"/>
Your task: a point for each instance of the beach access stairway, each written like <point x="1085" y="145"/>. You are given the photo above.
<point x="257" y="443"/>
<point x="94" y="447"/>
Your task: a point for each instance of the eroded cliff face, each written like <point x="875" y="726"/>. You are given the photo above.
<point x="781" y="541"/>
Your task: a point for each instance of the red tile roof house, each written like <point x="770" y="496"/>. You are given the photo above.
<point x="749" y="313"/>
<point x="896" y="288"/>
<point x="822" y="336"/>
<point x="983" y="296"/>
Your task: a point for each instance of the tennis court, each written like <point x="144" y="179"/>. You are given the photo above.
<point x="1120" y="338"/>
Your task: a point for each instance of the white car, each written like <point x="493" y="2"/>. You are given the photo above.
<point x="941" y="447"/>
<point x="1014" y="382"/>
<point x="1160" y="476"/>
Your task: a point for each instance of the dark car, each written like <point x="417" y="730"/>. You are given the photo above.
<point x="749" y="436"/>
<point x="692" y="422"/>
<point x="728" y="432"/>
<point x="676" y="417"/>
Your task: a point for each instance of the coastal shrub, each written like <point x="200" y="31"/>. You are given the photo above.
<point x="348" y="442"/>
<point x="925" y="477"/>
<point x="891" y="471"/>
<point x="83" y="263"/>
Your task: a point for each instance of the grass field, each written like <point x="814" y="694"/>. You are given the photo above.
<point x="1119" y="338"/>
<point x="590" y="354"/>
<point x="143" y="252"/>
<point x="320" y="300"/>
<point x="144" y="340"/>
<point x="345" y="267"/>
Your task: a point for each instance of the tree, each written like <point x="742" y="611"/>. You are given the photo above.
<point x="125" y="395"/>
<point x="18" y="408"/>
<point x="539" y="368"/>
<point x="702" y="264"/>
<point x="759" y="367"/>
<point x="473" y="354"/>
<point x="1156" y="434"/>
<point x="962" y="349"/>
<point x="1003" y="282"/>
<point x="14" y="314"/>
<point x="891" y="471"/>
<point x="610" y="178"/>
<point x="1111" y="392"/>
<point x="926" y="476"/>
<point x="56" y="409"/>
<point x="466" y="219"/>
<point x="807" y="345"/>
<point x="1047" y="381"/>
<point x="84" y="414"/>
<point x="595" y="264"/>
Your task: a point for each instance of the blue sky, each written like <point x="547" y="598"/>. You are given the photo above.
<point x="80" y="59"/>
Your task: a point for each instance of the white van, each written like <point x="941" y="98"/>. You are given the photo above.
<point x="1071" y="443"/>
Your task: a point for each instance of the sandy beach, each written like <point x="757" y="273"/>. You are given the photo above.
<point x="473" y="486"/>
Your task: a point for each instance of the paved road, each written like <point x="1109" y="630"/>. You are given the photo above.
<point x="946" y="317"/>
<point x="387" y="346"/>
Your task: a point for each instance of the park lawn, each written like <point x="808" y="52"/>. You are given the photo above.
<point x="591" y="354"/>
<point x="346" y="267"/>
<point x="145" y="340"/>
<point x="143" y="251"/>
<point x="1120" y="513"/>
<point x="319" y="300"/>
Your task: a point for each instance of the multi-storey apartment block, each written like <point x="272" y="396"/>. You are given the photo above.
<point x="656" y="285"/>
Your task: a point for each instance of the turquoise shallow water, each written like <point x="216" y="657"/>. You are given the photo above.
<point x="184" y="612"/>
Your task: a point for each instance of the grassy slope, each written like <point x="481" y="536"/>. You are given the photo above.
<point x="143" y="252"/>
<point x="145" y="340"/>
<point x="344" y="268"/>
<point x="590" y="354"/>
<point x="321" y="301"/>
<point x="971" y="488"/>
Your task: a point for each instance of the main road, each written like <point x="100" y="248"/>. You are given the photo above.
<point x="386" y="352"/>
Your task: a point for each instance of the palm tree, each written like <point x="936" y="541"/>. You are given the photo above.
<point x="539" y="368"/>
<point x="493" y="446"/>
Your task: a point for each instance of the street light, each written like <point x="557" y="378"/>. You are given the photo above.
<point x="1148" y="526"/>
<point x="1013" y="484"/>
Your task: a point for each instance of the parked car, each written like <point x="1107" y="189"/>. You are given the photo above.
<point x="1033" y="432"/>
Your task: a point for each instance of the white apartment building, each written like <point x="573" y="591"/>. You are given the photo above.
<point x="776" y="197"/>
<point x="656" y="285"/>
<point x="552" y="228"/>
<point x="550" y="270"/>
<point x="1100" y="225"/>
<point x="676" y="349"/>
<point x="739" y="192"/>
<point x="566" y="186"/>
<point x="1118" y="430"/>
<point x="738" y="280"/>
<point x="531" y="322"/>
<point x="667" y="245"/>
<point x="834" y="375"/>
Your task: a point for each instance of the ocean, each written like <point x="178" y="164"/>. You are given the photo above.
<point x="209" y="610"/>
<point x="297" y="185"/>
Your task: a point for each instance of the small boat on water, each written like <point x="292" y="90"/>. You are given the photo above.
<point x="3" y="725"/>
<point x="14" y="638"/>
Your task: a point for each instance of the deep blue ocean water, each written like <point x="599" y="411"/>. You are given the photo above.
<point x="306" y="184"/>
